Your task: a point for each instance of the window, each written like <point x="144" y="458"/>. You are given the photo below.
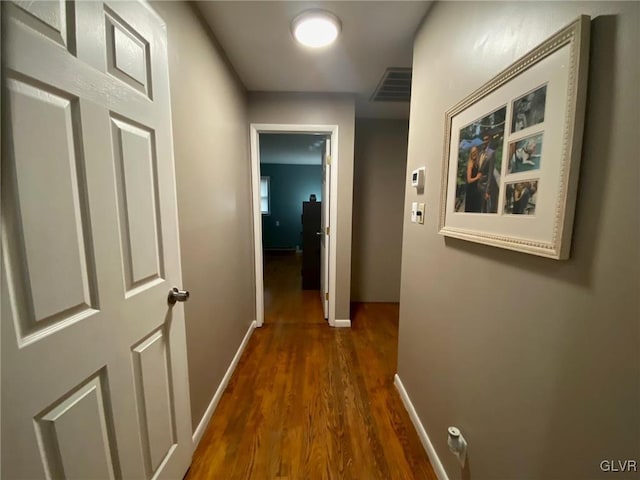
<point x="264" y="195"/>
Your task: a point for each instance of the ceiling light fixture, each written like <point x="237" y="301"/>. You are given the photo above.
<point x="315" y="28"/>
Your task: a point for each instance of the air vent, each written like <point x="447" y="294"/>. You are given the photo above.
<point x="395" y="86"/>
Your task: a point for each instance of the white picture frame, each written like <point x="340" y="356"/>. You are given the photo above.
<point x="512" y="151"/>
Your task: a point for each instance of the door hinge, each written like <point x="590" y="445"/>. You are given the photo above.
<point x="328" y="159"/>
<point x="326" y="296"/>
<point x="327" y="230"/>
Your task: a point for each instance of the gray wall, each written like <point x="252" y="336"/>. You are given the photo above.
<point x="378" y="204"/>
<point x="536" y="360"/>
<point x="210" y="133"/>
<point x="325" y="109"/>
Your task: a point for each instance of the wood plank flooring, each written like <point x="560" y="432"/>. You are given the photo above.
<point x="308" y="401"/>
<point x="284" y="299"/>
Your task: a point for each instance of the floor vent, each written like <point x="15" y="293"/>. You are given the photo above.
<point x="395" y="86"/>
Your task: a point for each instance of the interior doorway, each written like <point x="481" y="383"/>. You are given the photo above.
<point x="294" y="172"/>
<point x="291" y="205"/>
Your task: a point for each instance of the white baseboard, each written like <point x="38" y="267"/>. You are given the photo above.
<point x="342" y="323"/>
<point x="202" y="426"/>
<point x="422" y="433"/>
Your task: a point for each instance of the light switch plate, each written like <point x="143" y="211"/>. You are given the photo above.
<point x="420" y="213"/>
<point x="414" y="212"/>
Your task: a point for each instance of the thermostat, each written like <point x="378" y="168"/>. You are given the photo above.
<point x="417" y="178"/>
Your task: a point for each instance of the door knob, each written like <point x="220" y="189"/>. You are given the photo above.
<point x="176" y="295"/>
<point x="319" y="234"/>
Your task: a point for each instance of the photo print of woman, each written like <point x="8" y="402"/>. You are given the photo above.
<point x="479" y="164"/>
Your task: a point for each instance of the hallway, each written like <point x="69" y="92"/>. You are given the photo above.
<point x="284" y="300"/>
<point x="309" y="402"/>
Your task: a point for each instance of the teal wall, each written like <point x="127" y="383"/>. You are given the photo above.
<point x="290" y="185"/>
<point x="291" y="148"/>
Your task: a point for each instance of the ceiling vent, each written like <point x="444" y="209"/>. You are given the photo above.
<point x="395" y="86"/>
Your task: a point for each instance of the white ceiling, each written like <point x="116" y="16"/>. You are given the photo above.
<point x="256" y="37"/>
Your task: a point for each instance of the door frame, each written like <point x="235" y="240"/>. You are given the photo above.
<point x="255" y="129"/>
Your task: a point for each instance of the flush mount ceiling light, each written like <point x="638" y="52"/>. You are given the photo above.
<point x="315" y="28"/>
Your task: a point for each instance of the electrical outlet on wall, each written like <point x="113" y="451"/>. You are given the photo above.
<point x="277" y="223"/>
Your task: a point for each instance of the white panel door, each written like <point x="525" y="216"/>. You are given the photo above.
<point x="324" y="238"/>
<point x="94" y="374"/>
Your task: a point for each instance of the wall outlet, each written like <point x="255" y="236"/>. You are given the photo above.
<point x="457" y="444"/>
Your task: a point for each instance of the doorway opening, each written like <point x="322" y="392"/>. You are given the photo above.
<point x="291" y="197"/>
<point x="294" y="180"/>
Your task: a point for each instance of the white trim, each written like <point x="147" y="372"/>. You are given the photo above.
<point x="206" y="418"/>
<point x="342" y="323"/>
<point x="254" y="130"/>
<point x="324" y="244"/>
<point x="333" y="226"/>
<point x="257" y="224"/>
<point x="422" y="433"/>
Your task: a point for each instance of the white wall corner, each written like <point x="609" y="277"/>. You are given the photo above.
<point x="342" y="323"/>
<point x="422" y="433"/>
<point x="206" y="418"/>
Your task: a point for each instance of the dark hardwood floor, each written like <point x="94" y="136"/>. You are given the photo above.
<point x="284" y="299"/>
<point x="308" y="401"/>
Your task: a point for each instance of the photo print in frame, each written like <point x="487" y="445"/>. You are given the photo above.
<point x="528" y="121"/>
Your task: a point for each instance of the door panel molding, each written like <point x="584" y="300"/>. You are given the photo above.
<point x="41" y="304"/>
<point x="66" y="454"/>
<point x="152" y="370"/>
<point x="136" y="169"/>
